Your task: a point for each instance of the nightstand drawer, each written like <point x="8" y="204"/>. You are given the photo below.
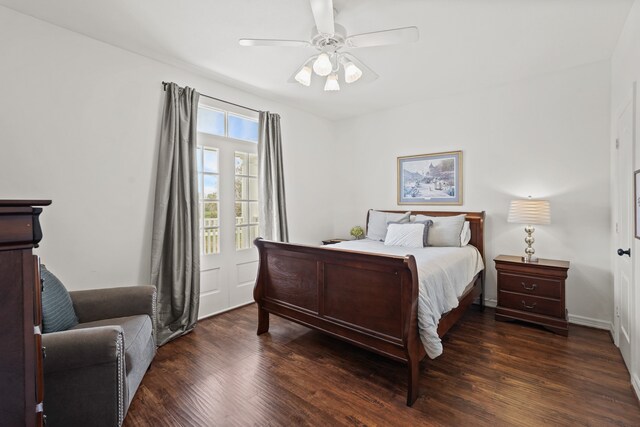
<point x="530" y="285"/>
<point x="526" y="303"/>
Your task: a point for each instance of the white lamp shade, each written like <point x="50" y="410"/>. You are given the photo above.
<point x="322" y="66"/>
<point x="528" y="211"/>
<point x="351" y="72"/>
<point x="332" y="83"/>
<point x="304" y="76"/>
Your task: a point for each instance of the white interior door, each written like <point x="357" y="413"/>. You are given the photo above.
<point x="625" y="231"/>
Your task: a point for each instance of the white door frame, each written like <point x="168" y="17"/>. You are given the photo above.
<point x="629" y="102"/>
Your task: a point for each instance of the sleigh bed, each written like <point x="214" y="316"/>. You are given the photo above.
<point x="370" y="300"/>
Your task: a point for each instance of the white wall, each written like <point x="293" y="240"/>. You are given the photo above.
<point x="547" y="137"/>
<point x="625" y="70"/>
<point x="79" y="124"/>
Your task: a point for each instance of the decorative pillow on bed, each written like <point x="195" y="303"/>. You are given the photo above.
<point x="465" y="236"/>
<point x="425" y="236"/>
<point x="445" y="231"/>
<point x="410" y="235"/>
<point x="377" y="226"/>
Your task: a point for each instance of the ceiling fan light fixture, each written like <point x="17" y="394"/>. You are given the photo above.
<point x="332" y="83"/>
<point x="351" y="72"/>
<point x="304" y="76"/>
<point x="322" y="66"/>
<point x="330" y="40"/>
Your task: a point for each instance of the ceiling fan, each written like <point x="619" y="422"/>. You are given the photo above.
<point x="330" y="39"/>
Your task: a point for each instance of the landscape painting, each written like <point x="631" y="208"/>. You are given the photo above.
<point x="430" y="179"/>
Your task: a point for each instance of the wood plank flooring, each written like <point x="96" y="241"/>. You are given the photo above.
<point x="491" y="373"/>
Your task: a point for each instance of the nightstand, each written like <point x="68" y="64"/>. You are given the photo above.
<point x="332" y="241"/>
<point x="532" y="292"/>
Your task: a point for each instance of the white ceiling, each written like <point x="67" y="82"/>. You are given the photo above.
<point x="464" y="44"/>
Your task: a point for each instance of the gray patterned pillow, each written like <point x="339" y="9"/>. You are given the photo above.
<point x="445" y="230"/>
<point x="377" y="227"/>
<point x="57" y="309"/>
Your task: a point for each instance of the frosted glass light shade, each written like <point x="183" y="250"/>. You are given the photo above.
<point x="528" y="211"/>
<point x="351" y="72"/>
<point x="332" y="83"/>
<point x="322" y="66"/>
<point x="304" y="76"/>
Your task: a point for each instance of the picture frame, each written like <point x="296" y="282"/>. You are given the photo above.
<point x="636" y="203"/>
<point x="430" y="179"/>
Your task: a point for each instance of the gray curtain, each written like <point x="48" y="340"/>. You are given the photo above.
<point x="175" y="245"/>
<point x="273" y="210"/>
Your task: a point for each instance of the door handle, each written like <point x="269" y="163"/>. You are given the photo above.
<point x="627" y="252"/>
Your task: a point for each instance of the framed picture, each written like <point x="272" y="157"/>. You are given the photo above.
<point x="430" y="179"/>
<point x="636" y="202"/>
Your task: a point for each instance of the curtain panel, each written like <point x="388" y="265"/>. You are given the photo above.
<point x="175" y="246"/>
<point x="273" y="210"/>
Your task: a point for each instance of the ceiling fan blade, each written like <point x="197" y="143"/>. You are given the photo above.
<point x="382" y="38"/>
<point x="323" y="15"/>
<point x="368" y="75"/>
<point x="273" y="42"/>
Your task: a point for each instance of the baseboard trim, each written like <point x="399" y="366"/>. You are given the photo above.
<point x="590" y="322"/>
<point x="573" y="318"/>
<point x="635" y="383"/>
<point x="215" y="313"/>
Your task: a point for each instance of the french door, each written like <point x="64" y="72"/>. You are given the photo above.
<point x="228" y="191"/>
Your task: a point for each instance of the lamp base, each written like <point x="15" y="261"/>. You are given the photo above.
<point x="529" y="251"/>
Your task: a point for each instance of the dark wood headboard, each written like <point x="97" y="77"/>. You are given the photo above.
<point x="476" y="224"/>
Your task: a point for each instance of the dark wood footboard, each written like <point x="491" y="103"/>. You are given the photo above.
<point x="363" y="298"/>
<point x="366" y="299"/>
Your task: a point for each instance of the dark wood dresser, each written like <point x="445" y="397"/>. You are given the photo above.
<point x="532" y="292"/>
<point x="21" y="376"/>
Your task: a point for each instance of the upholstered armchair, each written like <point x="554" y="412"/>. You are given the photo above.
<point x="92" y="371"/>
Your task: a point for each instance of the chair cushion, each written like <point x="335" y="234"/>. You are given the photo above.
<point x="57" y="308"/>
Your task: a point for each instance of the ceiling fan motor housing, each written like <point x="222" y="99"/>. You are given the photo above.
<point x="329" y="43"/>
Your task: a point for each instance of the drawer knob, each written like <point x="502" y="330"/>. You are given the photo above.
<point x="524" y="304"/>
<point x="529" y="288"/>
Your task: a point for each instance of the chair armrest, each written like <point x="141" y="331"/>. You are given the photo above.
<point x="99" y="304"/>
<point x="80" y="348"/>
<point x="85" y="377"/>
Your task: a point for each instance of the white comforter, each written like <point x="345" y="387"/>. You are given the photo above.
<point x="443" y="275"/>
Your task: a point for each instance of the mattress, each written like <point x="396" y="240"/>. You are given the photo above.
<point x="444" y="274"/>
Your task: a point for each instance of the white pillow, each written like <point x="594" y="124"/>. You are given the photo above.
<point x="465" y="235"/>
<point x="446" y="230"/>
<point x="377" y="227"/>
<point x="407" y="235"/>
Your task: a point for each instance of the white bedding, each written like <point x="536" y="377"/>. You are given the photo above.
<point x="443" y="275"/>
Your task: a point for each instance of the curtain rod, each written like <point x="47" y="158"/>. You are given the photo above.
<point x="164" y="87"/>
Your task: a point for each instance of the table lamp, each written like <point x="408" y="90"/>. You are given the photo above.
<point x="529" y="212"/>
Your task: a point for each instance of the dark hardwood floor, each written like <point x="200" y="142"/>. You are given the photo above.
<point x="491" y="373"/>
